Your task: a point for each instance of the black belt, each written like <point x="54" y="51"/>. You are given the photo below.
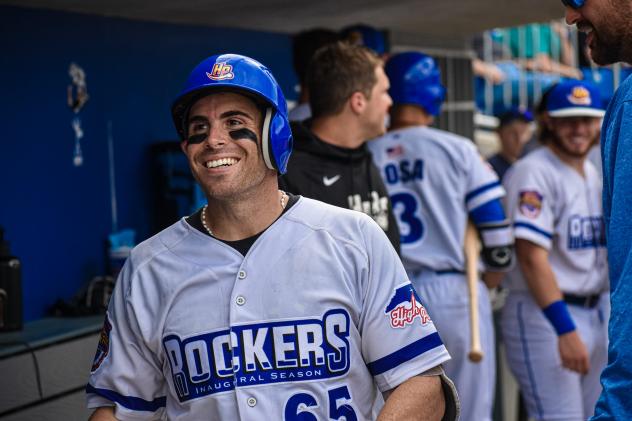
<point x="449" y="272"/>
<point x="588" y="301"/>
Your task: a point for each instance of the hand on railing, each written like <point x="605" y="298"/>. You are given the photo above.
<point x="488" y="71"/>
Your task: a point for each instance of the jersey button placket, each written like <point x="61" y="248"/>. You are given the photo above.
<point x="251" y="401"/>
<point x="240" y="300"/>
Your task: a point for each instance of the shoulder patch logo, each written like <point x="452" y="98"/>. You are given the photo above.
<point x="221" y="71"/>
<point x="579" y="96"/>
<point x="103" y="348"/>
<point x="530" y="203"/>
<point x="405" y="306"/>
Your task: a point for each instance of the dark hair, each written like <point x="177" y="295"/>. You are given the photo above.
<point x="515" y="114"/>
<point x="305" y="44"/>
<point x="367" y="36"/>
<point x="337" y="71"/>
<point x="544" y="133"/>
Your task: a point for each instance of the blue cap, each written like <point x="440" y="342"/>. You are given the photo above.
<point x="234" y="72"/>
<point x="514" y="114"/>
<point x="574" y="98"/>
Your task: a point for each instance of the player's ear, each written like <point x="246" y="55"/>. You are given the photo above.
<point x="183" y="146"/>
<point x="357" y="102"/>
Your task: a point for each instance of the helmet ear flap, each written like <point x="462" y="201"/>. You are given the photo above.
<point x="278" y="141"/>
<point x="266" y="142"/>
<point x="432" y="99"/>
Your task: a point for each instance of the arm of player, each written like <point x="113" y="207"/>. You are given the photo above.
<point x="105" y="413"/>
<point x="418" y="398"/>
<point x="534" y="264"/>
<point x="496" y="238"/>
<point x="493" y="279"/>
<point x="489" y="71"/>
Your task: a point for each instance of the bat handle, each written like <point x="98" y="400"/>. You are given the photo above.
<point x="471" y="262"/>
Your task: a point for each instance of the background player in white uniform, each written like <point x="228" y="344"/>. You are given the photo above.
<point x="435" y="180"/>
<point x="261" y="305"/>
<point x="554" y="198"/>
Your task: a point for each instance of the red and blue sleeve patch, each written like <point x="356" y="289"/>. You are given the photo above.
<point x="405" y="307"/>
<point x="103" y="347"/>
<point x="530" y="203"/>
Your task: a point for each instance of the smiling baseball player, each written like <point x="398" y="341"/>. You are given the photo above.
<point x="262" y="305"/>
<point x="554" y="320"/>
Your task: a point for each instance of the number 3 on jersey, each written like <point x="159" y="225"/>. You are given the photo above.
<point x="406" y="207"/>
<point x="297" y="408"/>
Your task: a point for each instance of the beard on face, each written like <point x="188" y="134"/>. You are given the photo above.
<point x="611" y="42"/>
<point x="557" y="141"/>
<point x="605" y="51"/>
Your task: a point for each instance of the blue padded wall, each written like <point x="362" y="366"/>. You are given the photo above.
<point x="57" y="216"/>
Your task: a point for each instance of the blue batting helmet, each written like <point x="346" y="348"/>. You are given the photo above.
<point x="233" y="72"/>
<point x="415" y="79"/>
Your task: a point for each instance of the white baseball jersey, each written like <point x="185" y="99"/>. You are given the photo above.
<point x="312" y="323"/>
<point x="434" y="178"/>
<point x="553" y="206"/>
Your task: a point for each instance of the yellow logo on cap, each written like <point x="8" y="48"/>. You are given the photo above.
<point x="579" y="96"/>
<point x="221" y="71"/>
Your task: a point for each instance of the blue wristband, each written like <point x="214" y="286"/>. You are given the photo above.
<point x="560" y="318"/>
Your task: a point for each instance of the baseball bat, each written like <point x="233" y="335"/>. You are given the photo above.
<point x="471" y="248"/>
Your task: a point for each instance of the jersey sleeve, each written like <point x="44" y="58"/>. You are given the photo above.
<point x="530" y="205"/>
<point x="399" y="340"/>
<point x="482" y="183"/>
<point x="125" y="372"/>
<point x="496" y="235"/>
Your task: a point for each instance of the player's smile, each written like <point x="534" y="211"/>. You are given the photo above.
<point x="608" y="28"/>
<point x="223" y="145"/>
<point x="579" y="143"/>
<point x="575" y="135"/>
<point x="219" y="164"/>
<point x="223" y="162"/>
<point x="588" y="29"/>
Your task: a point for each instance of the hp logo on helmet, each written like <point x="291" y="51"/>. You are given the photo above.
<point x="221" y="71"/>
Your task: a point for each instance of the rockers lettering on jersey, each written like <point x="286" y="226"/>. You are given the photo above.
<point x="376" y="208"/>
<point x="585" y="232"/>
<point x="260" y="353"/>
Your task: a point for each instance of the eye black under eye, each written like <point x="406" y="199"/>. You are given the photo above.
<point x="243" y="134"/>
<point x="197" y="138"/>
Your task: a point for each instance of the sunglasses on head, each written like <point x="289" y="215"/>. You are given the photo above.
<point x="575" y="4"/>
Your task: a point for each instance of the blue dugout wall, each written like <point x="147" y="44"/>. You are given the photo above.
<point x="57" y="215"/>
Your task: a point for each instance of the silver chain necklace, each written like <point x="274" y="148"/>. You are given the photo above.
<point x="203" y="214"/>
